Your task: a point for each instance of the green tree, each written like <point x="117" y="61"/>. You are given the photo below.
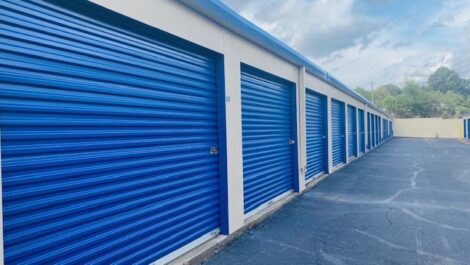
<point x="364" y="92"/>
<point x="445" y="79"/>
<point x="442" y="97"/>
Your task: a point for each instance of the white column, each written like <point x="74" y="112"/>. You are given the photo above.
<point x="301" y="129"/>
<point x="330" y="141"/>
<point x="233" y="107"/>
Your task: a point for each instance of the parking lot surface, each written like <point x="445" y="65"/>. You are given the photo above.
<point x="406" y="202"/>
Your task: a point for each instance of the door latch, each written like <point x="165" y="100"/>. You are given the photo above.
<point x="214" y="151"/>
<point x="291" y="141"/>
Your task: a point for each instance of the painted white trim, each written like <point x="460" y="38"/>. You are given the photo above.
<point x="234" y="141"/>
<point x="267" y="204"/>
<point x="330" y="141"/>
<point x="186" y="248"/>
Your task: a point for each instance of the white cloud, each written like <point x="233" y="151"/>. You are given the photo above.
<point x="359" y="47"/>
<point x="315" y="28"/>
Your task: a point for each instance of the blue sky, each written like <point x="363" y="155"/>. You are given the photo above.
<point x="360" y="41"/>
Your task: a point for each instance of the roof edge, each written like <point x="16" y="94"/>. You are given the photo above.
<point x="228" y="18"/>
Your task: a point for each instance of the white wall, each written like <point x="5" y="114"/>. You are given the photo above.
<point x="429" y="128"/>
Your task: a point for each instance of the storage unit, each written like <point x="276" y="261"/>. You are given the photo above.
<point x="369" y="131"/>
<point x="338" y="129"/>
<point x="362" y="135"/>
<point x="128" y="139"/>
<point x="109" y="139"/>
<point x="374" y="131"/>
<point x="377" y="130"/>
<point x="352" y="132"/>
<point x="316" y="134"/>
<point x="465" y="130"/>
<point x="269" y="136"/>
<point x="385" y="128"/>
<point x="468" y="128"/>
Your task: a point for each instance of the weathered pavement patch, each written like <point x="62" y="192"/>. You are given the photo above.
<point x="407" y="202"/>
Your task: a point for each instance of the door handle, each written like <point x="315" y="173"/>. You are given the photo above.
<point x="214" y="151"/>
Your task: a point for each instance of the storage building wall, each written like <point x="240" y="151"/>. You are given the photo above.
<point x="143" y="110"/>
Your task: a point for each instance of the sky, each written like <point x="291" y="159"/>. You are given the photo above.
<point x="365" y="41"/>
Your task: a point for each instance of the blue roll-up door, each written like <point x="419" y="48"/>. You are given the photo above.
<point x="268" y="136"/>
<point x="338" y="132"/>
<point x="317" y="141"/>
<point x="373" y="135"/>
<point x="465" y="135"/>
<point x="352" y="132"/>
<point x="369" y="134"/>
<point x="380" y="130"/>
<point x="468" y="128"/>
<point x="362" y="134"/>
<point x="383" y="130"/>
<point x="107" y="127"/>
<point x="384" y="126"/>
<point x="387" y="130"/>
<point x="377" y="130"/>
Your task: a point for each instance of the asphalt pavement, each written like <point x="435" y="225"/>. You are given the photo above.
<point x="406" y="202"/>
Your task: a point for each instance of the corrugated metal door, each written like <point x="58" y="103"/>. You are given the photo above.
<point x="268" y="136"/>
<point x="337" y="132"/>
<point x="386" y="129"/>
<point x="352" y="132"/>
<point x="106" y="137"/>
<point x="369" y="134"/>
<point x="379" y="122"/>
<point x="468" y="128"/>
<point x="362" y="134"/>
<point x="377" y="130"/>
<point x="317" y="143"/>
<point x="465" y="128"/>
<point x="372" y="116"/>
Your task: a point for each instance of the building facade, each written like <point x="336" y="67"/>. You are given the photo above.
<point x="133" y="133"/>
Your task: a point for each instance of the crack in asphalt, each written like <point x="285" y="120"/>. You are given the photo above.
<point x="418" y="250"/>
